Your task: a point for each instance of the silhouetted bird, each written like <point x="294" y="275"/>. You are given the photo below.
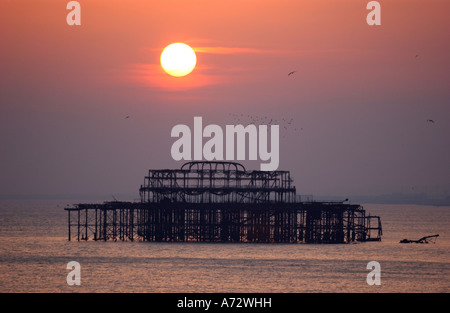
<point x="127" y="117"/>
<point x="290" y="73"/>
<point x="431" y="121"/>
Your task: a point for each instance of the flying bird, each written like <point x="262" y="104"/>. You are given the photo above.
<point x="290" y="73"/>
<point x="431" y="121"/>
<point x="127" y="117"/>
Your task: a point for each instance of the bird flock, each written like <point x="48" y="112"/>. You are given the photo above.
<point x="286" y="124"/>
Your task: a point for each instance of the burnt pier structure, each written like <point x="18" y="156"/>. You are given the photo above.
<point x="222" y="202"/>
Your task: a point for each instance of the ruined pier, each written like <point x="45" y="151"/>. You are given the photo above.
<point x="222" y="202"/>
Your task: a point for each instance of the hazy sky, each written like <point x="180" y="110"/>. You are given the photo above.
<point x="361" y="95"/>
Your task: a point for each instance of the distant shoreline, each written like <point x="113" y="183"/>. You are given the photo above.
<point x="420" y="199"/>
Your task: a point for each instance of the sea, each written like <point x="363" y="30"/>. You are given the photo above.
<point x="35" y="252"/>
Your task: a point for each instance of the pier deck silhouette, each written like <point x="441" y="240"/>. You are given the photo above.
<point x="222" y="202"/>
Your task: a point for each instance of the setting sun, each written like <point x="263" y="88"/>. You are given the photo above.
<point x="178" y="59"/>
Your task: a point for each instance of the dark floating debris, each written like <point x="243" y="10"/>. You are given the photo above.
<point x="425" y="239"/>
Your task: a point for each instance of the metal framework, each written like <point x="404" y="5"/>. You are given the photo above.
<point x="217" y="182"/>
<point x="222" y="202"/>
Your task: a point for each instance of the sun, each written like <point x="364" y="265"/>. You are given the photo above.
<point x="178" y="59"/>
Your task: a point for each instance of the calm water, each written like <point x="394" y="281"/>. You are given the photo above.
<point x="34" y="252"/>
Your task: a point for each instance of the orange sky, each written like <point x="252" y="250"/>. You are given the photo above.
<point x="65" y="90"/>
<point x="120" y="42"/>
